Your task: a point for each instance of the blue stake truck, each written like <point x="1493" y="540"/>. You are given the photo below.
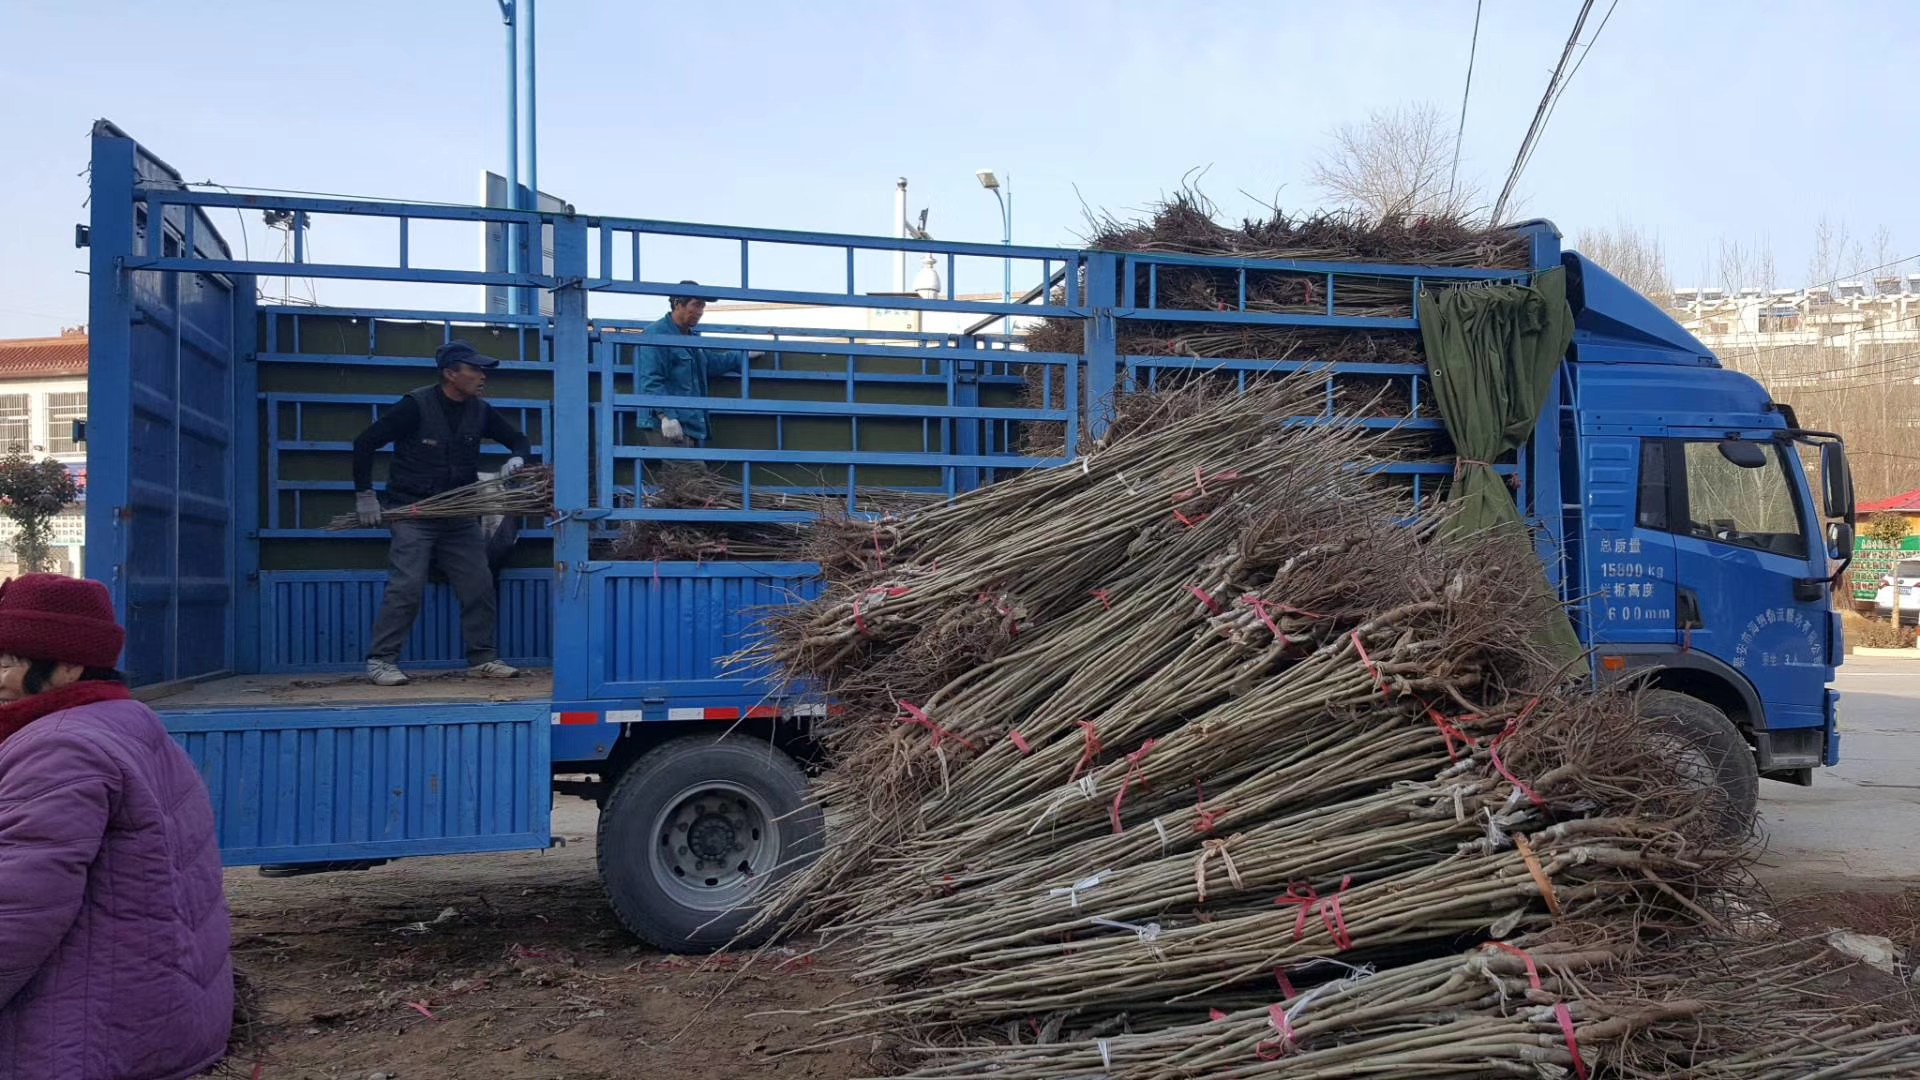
<point x="1669" y="496"/>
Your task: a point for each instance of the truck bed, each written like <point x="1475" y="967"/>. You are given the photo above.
<point x="240" y="691"/>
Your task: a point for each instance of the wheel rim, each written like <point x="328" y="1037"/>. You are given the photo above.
<point x="1692" y="765"/>
<point x="712" y="844"/>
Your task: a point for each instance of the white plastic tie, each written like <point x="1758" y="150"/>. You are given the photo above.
<point x="1162" y="830"/>
<point x="1106" y="1053"/>
<point x="1357" y="974"/>
<point x="1072" y="892"/>
<point x="1086" y="785"/>
<point x="1147" y="934"/>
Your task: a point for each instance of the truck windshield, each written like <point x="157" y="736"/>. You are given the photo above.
<point x="1754" y="508"/>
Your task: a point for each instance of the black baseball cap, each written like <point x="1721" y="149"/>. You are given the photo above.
<point x="688" y="293"/>
<point x="460" y="352"/>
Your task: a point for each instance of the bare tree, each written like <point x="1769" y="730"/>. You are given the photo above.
<point x="1836" y="254"/>
<point x="1747" y="266"/>
<point x="1630" y="253"/>
<point x="1399" y="161"/>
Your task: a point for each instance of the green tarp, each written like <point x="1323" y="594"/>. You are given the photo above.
<point x="1493" y="353"/>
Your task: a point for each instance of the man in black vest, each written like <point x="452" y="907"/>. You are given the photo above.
<point x="436" y="433"/>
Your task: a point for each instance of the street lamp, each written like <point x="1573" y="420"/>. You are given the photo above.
<point x="1005" y="197"/>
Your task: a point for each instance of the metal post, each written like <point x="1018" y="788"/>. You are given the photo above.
<point x="508" y="10"/>
<point x="536" y="256"/>
<point x="1006" y="264"/>
<point x="110" y="346"/>
<point x="1102" y="343"/>
<point x="569" y="456"/>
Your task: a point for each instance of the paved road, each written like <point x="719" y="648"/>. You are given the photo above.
<point x="1858" y="826"/>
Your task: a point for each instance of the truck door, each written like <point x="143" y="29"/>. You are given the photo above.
<point x="1736" y="512"/>
<point x="1630" y="601"/>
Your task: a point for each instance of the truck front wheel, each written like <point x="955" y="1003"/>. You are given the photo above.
<point x="695" y="834"/>
<point x="1710" y="752"/>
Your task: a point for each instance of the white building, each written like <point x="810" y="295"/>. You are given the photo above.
<point x="1798" y="337"/>
<point x="43" y="391"/>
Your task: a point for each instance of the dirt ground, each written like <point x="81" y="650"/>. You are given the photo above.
<point x="512" y="967"/>
<point x="506" y="966"/>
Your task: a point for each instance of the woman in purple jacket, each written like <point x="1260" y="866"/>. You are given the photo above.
<point x="114" y="939"/>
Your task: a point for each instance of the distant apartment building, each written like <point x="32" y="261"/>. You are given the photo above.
<point x="43" y="392"/>
<point x="1848" y="331"/>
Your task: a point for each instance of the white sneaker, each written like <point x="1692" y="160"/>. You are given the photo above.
<point x="384" y="673"/>
<point x="493" y="669"/>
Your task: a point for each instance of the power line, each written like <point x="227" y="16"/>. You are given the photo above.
<point x="1568" y="81"/>
<point x="1540" y="113"/>
<point x="1895" y="381"/>
<point x="1473" y="50"/>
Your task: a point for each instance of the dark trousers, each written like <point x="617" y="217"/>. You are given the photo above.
<point x="460" y="550"/>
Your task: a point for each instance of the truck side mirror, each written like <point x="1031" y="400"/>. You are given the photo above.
<point x="1839" y="540"/>
<point x="1836" y="480"/>
<point x="1747" y="455"/>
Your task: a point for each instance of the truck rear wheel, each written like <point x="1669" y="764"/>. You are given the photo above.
<point x="1710" y="750"/>
<point x="696" y="832"/>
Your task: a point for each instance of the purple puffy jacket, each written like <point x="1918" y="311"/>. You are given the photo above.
<point x="114" y="935"/>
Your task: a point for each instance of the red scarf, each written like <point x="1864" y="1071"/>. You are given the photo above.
<point x="15" y="715"/>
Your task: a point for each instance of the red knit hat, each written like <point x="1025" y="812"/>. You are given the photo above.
<point x="52" y="617"/>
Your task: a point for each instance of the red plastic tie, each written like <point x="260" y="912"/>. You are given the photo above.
<point x="1189" y="522"/>
<point x="879" y="555"/>
<point x="1335" y="919"/>
<point x="1200" y="594"/>
<point x="918" y="717"/>
<point x="1106" y="601"/>
<point x="1089" y="749"/>
<point x="1133" y="769"/>
<point x="1260" y="607"/>
<point x="1378" y="679"/>
<point x="1019" y="741"/>
<point x="1215" y="1015"/>
<point x="1301" y="893"/>
<point x="1286" y="984"/>
<point x="1274" y="1049"/>
<point x="1328" y="908"/>
<point x="891" y="593"/>
<point x="1493" y="753"/>
<point x="1449" y="732"/>
<point x="1204" y="824"/>
<point x="1560" y="1010"/>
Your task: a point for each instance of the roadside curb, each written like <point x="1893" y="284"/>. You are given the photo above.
<point x="1890" y="654"/>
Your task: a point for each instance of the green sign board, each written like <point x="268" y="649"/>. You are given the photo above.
<point x="1873" y="560"/>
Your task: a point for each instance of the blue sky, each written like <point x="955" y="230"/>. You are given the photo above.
<point x="1698" y="120"/>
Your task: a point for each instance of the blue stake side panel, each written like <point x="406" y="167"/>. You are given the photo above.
<point x="162" y="423"/>
<point x="301" y="785"/>
<point x="319" y="620"/>
<point x="675" y="631"/>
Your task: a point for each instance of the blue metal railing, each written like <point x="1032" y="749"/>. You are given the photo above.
<point x="287" y="417"/>
<point x="979" y="389"/>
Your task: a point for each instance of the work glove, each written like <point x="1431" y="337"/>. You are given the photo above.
<point x="670" y="427"/>
<point x="366" y="507"/>
<point x="513" y="465"/>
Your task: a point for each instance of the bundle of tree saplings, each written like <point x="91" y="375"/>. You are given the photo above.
<point x="679" y="485"/>
<point x="1204" y="756"/>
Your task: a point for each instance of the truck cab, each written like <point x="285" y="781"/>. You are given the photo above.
<point x="1698" y="542"/>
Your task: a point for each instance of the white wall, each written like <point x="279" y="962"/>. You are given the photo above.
<point x="69" y="528"/>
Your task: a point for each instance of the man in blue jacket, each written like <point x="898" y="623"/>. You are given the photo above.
<point x="680" y="371"/>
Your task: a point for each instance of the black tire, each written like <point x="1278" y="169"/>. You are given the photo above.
<point x="695" y="831"/>
<point x="1722" y="750"/>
